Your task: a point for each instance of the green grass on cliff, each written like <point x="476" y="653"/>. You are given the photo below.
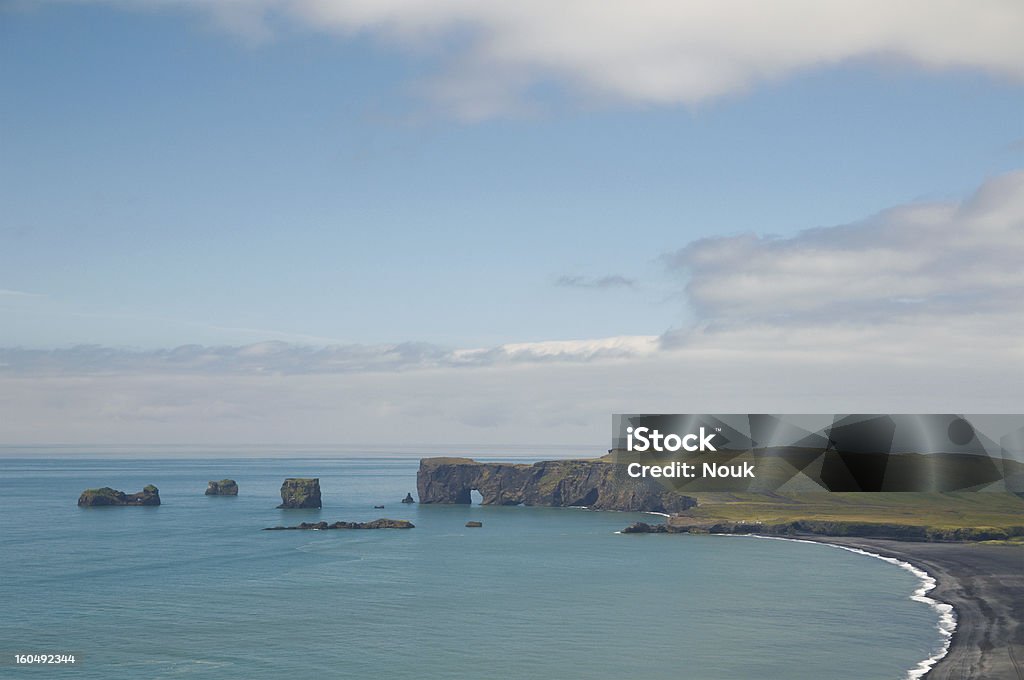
<point x="938" y="510"/>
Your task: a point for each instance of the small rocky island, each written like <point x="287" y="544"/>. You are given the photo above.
<point x="91" y="498"/>
<point x="324" y="526"/>
<point x="299" y="492"/>
<point x="225" y="487"/>
<point x="408" y="498"/>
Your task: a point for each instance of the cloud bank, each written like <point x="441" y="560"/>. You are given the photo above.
<point x="917" y="309"/>
<point x="595" y="283"/>
<point x="961" y="259"/>
<point x="492" y="57"/>
<point x="282" y="358"/>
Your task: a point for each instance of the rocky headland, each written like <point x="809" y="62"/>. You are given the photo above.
<point x="797" y="528"/>
<point x="559" y="483"/>
<point x="324" y="526"/>
<point x="225" y="487"/>
<point x="299" y="492"/>
<point x="106" y="496"/>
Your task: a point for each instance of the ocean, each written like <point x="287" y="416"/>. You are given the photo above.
<point x="195" y="589"/>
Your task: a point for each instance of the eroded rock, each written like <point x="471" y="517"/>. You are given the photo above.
<point x="225" y="487"/>
<point x="299" y="492"/>
<point x="561" y="483"/>
<point x="149" y="495"/>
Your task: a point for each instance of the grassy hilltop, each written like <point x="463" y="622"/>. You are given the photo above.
<point x="961" y="516"/>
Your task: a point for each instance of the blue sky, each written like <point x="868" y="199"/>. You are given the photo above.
<point x="179" y="173"/>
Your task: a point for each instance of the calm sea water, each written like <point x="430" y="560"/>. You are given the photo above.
<point x="195" y="589"/>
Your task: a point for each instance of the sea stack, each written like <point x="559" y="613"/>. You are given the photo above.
<point x="408" y="498"/>
<point x="149" y="495"/>
<point x="297" y="492"/>
<point x="225" y="487"/>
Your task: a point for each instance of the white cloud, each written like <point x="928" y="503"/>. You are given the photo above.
<point x="596" y="282"/>
<point x="961" y="259"/>
<point x="535" y="403"/>
<point x="8" y="293"/>
<point x="282" y="358"/>
<point x="643" y="51"/>
<point x="918" y="309"/>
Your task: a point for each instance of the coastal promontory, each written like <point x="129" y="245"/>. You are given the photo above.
<point x="149" y="495"/>
<point x="225" y="487"/>
<point x="595" y="484"/>
<point x="299" y="492"/>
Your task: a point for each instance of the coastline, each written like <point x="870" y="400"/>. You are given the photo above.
<point x="983" y="583"/>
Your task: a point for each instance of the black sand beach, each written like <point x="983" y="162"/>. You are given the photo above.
<point x="985" y="585"/>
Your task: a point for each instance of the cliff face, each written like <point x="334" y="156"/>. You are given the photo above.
<point x="149" y="495"/>
<point x="557" y="483"/>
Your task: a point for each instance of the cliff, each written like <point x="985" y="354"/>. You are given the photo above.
<point x="149" y="495"/>
<point x="558" y="483"/>
<point x="893" y="531"/>
<point x="297" y="492"/>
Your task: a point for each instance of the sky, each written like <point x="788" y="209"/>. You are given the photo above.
<point x="447" y="222"/>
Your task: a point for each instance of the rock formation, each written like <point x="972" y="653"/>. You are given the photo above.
<point x="887" y="530"/>
<point x="149" y="495"/>
<point x="225" y="487"/>
<point x="645" y="528"/>
<point x="408" y="498"/>
<point x="324" y="526"/>
<point x="297" y="492"/>
<point x="559" y="483"/>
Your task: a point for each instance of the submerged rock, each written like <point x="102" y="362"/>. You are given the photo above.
<point x="298" y="492"/>
<point x="149" y="495"/>
<point x="408" y="498"/>
<point x="381" y="523"/>
<point x="474" y="525"/>
<point x="225" y="487"/>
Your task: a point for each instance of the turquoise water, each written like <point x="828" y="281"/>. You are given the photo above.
<point x="195" y="589"/>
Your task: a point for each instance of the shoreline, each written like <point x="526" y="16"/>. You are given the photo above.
<point x="984" y="586"/>
<point x="947" y="622"/>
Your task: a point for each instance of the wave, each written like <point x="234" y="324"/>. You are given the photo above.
<point x="947" y="616"/>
